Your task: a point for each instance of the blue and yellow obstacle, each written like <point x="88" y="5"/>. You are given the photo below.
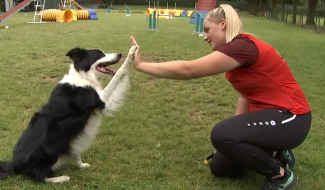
<point x="68" y="15"/>
<point x="167" y="13"/>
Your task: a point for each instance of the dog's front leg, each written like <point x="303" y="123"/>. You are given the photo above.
<point x="60" y="179"/>
<point x="114" y="92"/>
<point x="79" y="163"/>
<point x="121" y="72"/>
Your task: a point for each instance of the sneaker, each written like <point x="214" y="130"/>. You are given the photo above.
<point x="286" y="158"/>
<point x="276" y="184"/>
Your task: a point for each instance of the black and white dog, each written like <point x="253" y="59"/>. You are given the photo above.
<point x="67" y="124"/>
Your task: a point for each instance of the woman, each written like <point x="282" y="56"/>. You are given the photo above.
<point x="272" y="114"/>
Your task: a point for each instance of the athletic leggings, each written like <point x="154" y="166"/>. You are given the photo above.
<point x="247" y="141"/>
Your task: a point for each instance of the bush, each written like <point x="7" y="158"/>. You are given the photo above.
<point x="320" y="11"/>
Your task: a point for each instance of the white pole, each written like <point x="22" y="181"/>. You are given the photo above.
<point x="12" y="4"/>
<point x="149" y="4"/>
<point x="167" y="6"/>
<point x="175" y="11"/>
<point x="7" y="5"/>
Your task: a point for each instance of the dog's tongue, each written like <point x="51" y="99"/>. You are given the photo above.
<point x="111" y="69"/>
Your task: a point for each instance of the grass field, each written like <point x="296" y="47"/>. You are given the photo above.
<point x="160" y="137"/>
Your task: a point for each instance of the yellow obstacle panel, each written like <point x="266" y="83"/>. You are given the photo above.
<point x="174" y="12"/>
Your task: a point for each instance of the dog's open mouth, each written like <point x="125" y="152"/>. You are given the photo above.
<point x="105" y="67"/>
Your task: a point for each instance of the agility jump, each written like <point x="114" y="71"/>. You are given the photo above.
<point x="198" y="23"/>
<point x="126" y="8"/>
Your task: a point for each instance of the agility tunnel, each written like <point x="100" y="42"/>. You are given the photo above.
<point x="173" y="12"/>
<point x="68" y="15"/>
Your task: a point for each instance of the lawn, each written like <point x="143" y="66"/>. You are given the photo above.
<point x="160" y="137"/>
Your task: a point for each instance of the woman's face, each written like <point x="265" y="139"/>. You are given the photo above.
<point x="215" y="33"/>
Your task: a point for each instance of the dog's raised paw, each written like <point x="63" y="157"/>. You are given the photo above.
<point x="132" y="50"/>
<point x="84" y="165"/>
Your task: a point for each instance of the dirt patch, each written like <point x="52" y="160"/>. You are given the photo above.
<point x="49" y="78"/>
<point x="28" y="107"/>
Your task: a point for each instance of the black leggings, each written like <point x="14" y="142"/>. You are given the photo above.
<point x="247" y="141"/>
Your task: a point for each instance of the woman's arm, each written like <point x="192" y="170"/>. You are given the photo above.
<point x="211" y="64"/>
<point x="242" y="105"/>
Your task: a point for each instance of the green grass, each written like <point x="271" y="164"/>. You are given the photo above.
<point x="160" y="137"/>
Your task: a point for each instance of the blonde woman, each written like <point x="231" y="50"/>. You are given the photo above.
<point x="272" y="114"/>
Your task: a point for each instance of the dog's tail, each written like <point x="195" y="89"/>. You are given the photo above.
<point x="6" y="168"/>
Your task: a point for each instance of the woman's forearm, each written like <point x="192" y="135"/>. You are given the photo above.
<point x="169" y="70"/>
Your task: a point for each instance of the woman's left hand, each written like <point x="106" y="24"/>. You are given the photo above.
<point x="137" y="57"/>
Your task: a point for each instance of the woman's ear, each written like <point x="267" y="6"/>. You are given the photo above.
<point x="223" y="23"/>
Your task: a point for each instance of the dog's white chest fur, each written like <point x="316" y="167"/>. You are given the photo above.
<point x="83" y="141"/>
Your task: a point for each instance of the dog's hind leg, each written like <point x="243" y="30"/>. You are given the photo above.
<point x="58" y="163"/>
<point x="60" y="179"/>
<point x="79" y="162"/>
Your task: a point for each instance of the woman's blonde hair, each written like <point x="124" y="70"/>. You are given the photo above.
<point x="234" y="25"/>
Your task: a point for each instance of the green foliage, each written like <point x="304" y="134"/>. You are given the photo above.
<point x="237" y="4"/>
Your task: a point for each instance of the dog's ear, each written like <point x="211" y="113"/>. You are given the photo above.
<point x="76" y="54"/>
<point x="80" y="59"/>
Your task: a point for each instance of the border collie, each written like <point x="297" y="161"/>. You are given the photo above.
<point x="67" y="124"/>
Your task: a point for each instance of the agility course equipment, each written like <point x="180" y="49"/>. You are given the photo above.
<point x="69" y="15"/>
<point x="14" y="10"/>
<point x="175" y="13"/>
<point x="57" y="15"/>
<point x="153" y="21"/>
<point x="71" y="4"/>
<point x="198" y="24"/>
<point x="203" y="7"/>
<point x="98" y="3"/>
<point x="92" y="14"/>
<point x="171" y="13"/>
<point x="41" y="6"/>
<point x="127" y="11"/>
<point x="109" y="9"/>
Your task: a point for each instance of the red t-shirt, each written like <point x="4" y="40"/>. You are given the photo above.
<point x="264" y="77"/>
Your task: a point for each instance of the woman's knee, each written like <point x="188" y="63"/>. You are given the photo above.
<point x="221" y="166"/>
<point x="221" y="136"/>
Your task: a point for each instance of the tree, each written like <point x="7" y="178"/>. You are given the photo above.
<point x="253" y="8"/>
<point x="294" y="11"/>
<point x="274" y="7"/>
<point x="282" y="6"/>
<point x="311" y="12"/>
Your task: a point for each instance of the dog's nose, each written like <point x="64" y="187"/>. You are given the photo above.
<point x="119" y="55"/>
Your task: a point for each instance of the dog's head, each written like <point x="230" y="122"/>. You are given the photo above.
<point x="94" y="60"/>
